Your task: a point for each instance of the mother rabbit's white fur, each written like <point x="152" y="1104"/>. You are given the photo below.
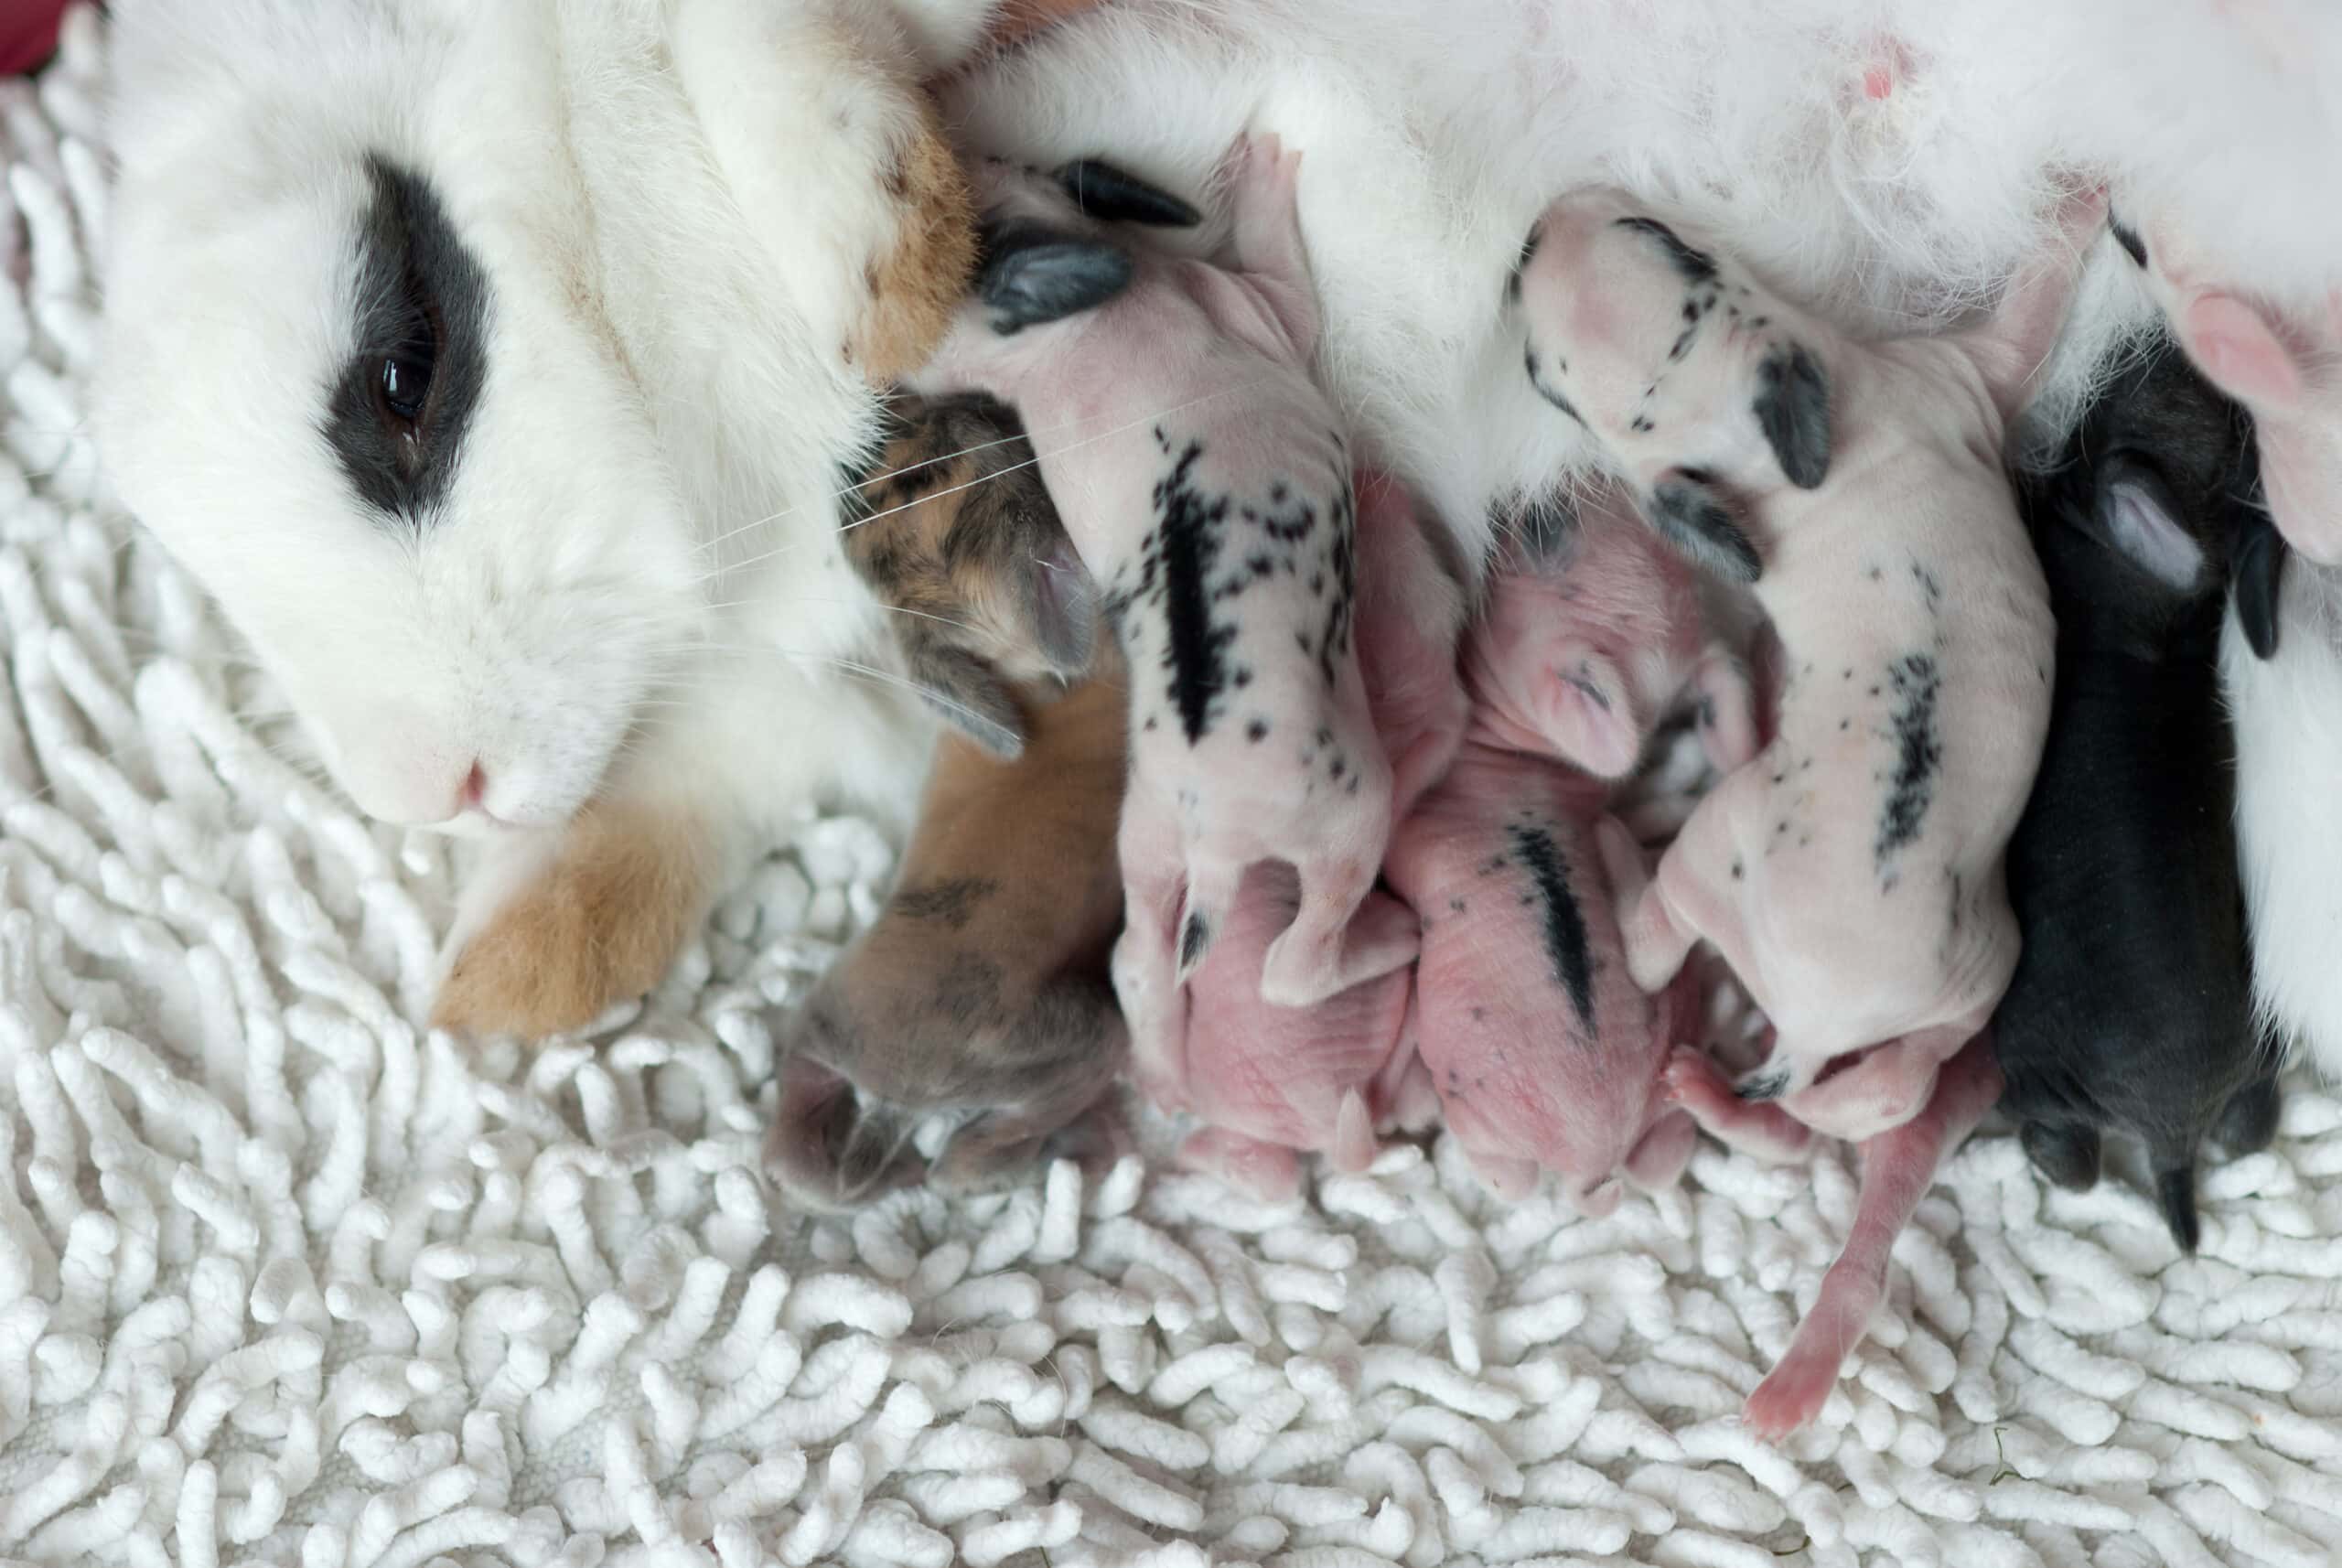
<point x="675" y="203"/>
<point x="1889" y="161"/>
<point x="695" y="225"/>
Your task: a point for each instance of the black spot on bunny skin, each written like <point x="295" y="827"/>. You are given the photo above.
<point x="1528" y="361"/>
<point x="1521" y="263"/>
<point x="1565" y="923"/>
<point x="1917" y="681"/>
<point x="1696" y="266"/>
<point x="398" y="411"/>
<point x="1195" y="939"/>
<point x="951" y="903"/>
<point x="1764" y="1084"/>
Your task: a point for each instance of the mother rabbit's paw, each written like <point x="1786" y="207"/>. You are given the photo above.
<point x="602" y="922"/>
<point x="917" y="281"/>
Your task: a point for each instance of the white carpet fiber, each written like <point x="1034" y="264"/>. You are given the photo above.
<point x="286" y="1280"/>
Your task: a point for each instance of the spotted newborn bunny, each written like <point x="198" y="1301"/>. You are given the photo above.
<point x="1269" y="1083"/>
<point x="1205" y="483"/>
<point x="980" y="994"/>
<point x="1851" y="874"/>
<point x="1544" y="1053"/>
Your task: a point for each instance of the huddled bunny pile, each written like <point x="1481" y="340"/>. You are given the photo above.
<point x="1372" y="878"/>
<point x="497" y="368"/>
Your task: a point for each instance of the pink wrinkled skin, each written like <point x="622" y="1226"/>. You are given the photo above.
<point x="1529" y="1026"/>
<point x="1269" y="1083"/>
<point x="1544" y="1054"/>
<point x="2284" y="365"/>
<point x="1851" y="874"/>
<point x="1411" y="613"/>
<point x="1579" y="655"/>
<point x="1187" y="395"/>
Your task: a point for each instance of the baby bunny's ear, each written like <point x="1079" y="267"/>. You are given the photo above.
<point x="2140" y="518"/>
<point x="1692" y="515"/>
<point x="1793" y="407"/>
<point x="1113" y="195"/>
<point x="1031" y="274"/>
<point x="1063" y="604"/>
<point x="969" y="693"/>
<point x="2257" y="572"/>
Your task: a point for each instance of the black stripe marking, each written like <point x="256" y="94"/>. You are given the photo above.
<point x="1697" y="266"/>
<point x="1195" y="652"/>
<point x="1565" y="941"/>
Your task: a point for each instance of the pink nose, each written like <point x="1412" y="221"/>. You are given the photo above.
<point x="473" y="791"/>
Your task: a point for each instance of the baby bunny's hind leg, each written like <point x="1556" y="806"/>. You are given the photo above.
<point x="1341" y="936"/>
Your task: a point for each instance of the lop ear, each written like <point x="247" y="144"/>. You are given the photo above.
<point x="1028" y="275"/>
<point x="970" y="694"/>
<point x="1114" y="194"/>
<point x="1688" y="511"/>
<point x="1062" y="604"/>
<point x="2138" y="517"/>
<point x="2258" y="574"/>
<point x="1793" y="407"/>
<point x="2238" y="348"/>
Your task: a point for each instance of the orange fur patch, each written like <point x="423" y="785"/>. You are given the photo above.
<point x="918" y="283"/>
<point x="603" y="923"/>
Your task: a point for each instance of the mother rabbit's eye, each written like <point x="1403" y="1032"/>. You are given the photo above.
<point x="406" y="374"/>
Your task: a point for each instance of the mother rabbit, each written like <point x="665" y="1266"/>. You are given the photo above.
<point x="496" y="367"/>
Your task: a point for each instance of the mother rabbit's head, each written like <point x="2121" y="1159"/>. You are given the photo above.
<point x="391" y="350"/>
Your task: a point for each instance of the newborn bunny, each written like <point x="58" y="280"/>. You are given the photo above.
<point x="1205" y="483"/>
<point x="2131" y="1007"/>
<point x="492" y="364"/>
<point x="979" y="994"/>
<point x="1851" y="874"/>
<point x="1542" y="1051"/>
<point x="1266" y="1081"/>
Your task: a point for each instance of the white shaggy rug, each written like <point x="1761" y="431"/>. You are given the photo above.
<point x="284" y="1279"/>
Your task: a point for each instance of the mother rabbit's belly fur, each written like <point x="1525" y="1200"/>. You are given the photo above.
<point x="667" y="250"/>
<point x="1889" y="164"/>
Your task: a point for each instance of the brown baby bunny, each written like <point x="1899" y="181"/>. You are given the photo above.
<point x="979" y="999"/>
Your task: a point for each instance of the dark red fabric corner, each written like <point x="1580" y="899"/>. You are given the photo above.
<point x="28" y="33"/>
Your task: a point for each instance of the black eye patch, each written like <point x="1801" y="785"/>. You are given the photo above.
<point x="1695" y="266"/>
<point x="398" y="410"/>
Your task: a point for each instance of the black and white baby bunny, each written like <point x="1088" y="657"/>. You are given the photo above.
<point x="496" y="367"/>
<point x="2131" y="1008"/>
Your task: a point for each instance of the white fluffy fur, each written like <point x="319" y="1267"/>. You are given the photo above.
<point x="634" y="586"/>
<point x="666" y="399"/>
<point x="2288" y="716"/>
<point x="1432" y="136"/>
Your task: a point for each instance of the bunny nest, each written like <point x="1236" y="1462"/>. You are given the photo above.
<point x="286" y="1280"/>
